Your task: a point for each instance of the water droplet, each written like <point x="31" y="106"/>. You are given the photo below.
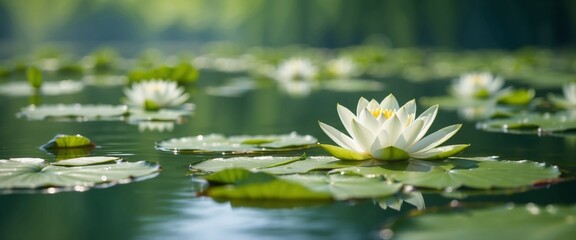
<point x="51" y="190"/>
<point x="455" y="203"/>
<point x="104" y="178"/>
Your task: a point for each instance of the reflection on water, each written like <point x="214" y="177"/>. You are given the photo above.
<point x="166" y="206"/>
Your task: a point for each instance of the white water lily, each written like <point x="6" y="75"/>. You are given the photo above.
<point x="476" y="85"/>
<point x="155" y="94"/>
<point x="296" y="76"/>
<point x="569" y="99"/>
<point x="385" y="131"/>
<point x="342" y="67"/>
<point x="569" y="91"/>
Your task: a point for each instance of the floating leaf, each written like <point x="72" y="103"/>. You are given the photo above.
<point x="533" y="123"/>
<point x="248" y="185"/>
<point x="68" y="141"/>
<point x="85" y="161"/>
<point x="22" y="88"/>
<point x="34" y="76"/>
<point x="139" y="115"/>
<point x="274" y="164"/>
<point x="216" y="143"/>
<point x="34" y="173"/>
<point x="529" y="222"/>
<point x="517" y="97"/>
<point x="482" y="173"/>
<point x="73" y="111"/>
<point x="251" y="185"/>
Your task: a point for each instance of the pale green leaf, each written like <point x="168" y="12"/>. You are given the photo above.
<point x="527" y="222"/>
<point x="18" y="174"/>
<point x="244" y="144"/>
<point x="482" y="173"/>
<point x="73" y="111"/>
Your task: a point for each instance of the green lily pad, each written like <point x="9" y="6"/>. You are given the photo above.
<point x="257" y="185"/>
<point x="139" y="115"/>
<point x="274" y="164"/>
<point x="85" y="161"/>
<point x="516" y="97"/>
<point x="534" y="123"/>
<point x="561" y="101"/>
<point x="397" y="200"/>
<point x="530" y="222"/>
<point x="22" y="88"/>
<point x="480" y="173"/>
<point x="75" y="174"/>
<point x="68" y="141"/>
<point x="73" y="111"/>
<point x="217" y="143"/>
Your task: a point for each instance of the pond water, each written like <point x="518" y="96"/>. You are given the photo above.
<point x="168" y="207"/>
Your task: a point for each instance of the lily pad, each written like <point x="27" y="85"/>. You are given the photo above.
<point x="251" y="185"/>
<point x="480" y="173"/>
<point x="528" y="221"/>
<point x="173" y="115"/>
<point x="244" y="144"/>
<point x="534" y="123"/>
<point x="68" y="141"/>
<point x="274" y="164"/>
<point x="73" y="111"/>
<point x="23" y="88"/>
<point x="232" y="88"/>
<point x="77" y="174"/>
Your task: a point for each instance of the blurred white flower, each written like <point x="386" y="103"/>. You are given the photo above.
<point x="295" y="69"/>
<point x="476" y="85"/>
<point x="296" y="76"/>
<point x="342" y="68"/>
<point x="155" y="94"/>
<point x="569" y="91"/>
<point x="385" y="131"/>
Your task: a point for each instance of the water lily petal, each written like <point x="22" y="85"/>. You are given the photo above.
<point x="367" y="120"/>
<point x="408" y="137"/>
<point x="346" y="116"/>
<point x="441" y="152"/>
<point x="394" y="127"/>
<point x="390" y="153"/>
<point x="406" y="110"/>
<point x="339" y="138"/>
<point x="389" y="102"/>
<point x="363" y="136"/>
<point x="434" y="139"/>
<point x="345" y="154"/>
<point x="429" y="115"/>
<point x="362" y="103"/>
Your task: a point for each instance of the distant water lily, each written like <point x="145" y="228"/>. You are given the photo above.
<point x="341" y="68"/>
<point x="569" y="91"/>
<point x="155" y="94"/>
<point x="569" y="99"/>
<point x="385" y="131"/>
<point x="296" y="76"/>
<point x="476" y="85"/>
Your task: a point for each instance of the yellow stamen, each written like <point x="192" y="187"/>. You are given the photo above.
<point x="387" y="113"/>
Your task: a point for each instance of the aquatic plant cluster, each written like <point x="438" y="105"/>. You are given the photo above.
<point x="384" y="153"/>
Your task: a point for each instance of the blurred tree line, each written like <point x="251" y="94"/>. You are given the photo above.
<point x="459" y="24"/>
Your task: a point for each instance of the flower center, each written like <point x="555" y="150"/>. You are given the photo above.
<point x="387" y="113"/>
